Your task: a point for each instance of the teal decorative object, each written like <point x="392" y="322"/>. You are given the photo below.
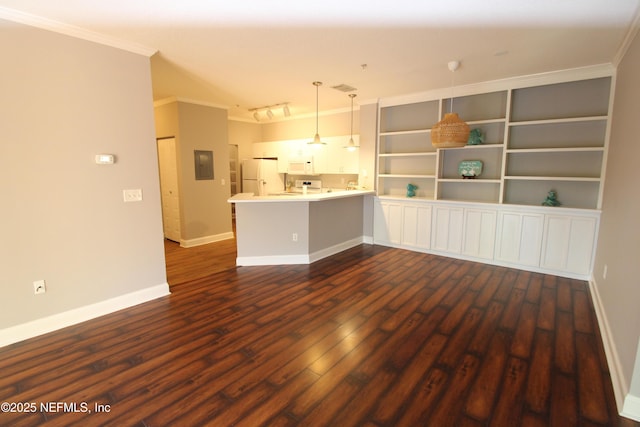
<point x="469" y="169"/>
<point x="475" y="137"/>
<point x="552" y="199"/>
<point x="411" y="190"/>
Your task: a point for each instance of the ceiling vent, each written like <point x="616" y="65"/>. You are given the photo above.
<point x="344" y="88"/>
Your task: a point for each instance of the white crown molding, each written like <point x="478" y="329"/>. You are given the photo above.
<point x="629" y="37"/>
<point x="171" y="99"/>
<point x="73" y="31"/>
<point x="551" y="77"/>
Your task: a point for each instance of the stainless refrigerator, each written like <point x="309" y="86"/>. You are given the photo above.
<point x="261" y="177"/>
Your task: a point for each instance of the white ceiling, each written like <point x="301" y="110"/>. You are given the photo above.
<point x="248" y="53"/>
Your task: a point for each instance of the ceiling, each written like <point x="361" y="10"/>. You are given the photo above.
<point x="245" y="54"/>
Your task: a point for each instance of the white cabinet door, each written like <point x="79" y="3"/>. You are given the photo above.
<point x="568" y="243"/>
<point x="447" y="229"/>
<point x="265" y="149"/>
<point x="519" y="238"/>
<point x="416" y="230"/>
<point x="479" y="233"/>
<point x="339" y="159"/>
<point x="387" y="223"/>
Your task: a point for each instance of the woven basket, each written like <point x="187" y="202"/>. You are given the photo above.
<point x="450" y="132"/>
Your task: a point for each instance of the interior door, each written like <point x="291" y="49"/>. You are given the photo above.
<point x="168" y="166"/>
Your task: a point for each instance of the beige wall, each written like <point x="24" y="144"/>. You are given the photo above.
<point x="331" y="124"/>
<point x="243" y="134"/>
<point x="619" y="239"/>
<point x="205" y="214"/>
<point x="64" y="220"/>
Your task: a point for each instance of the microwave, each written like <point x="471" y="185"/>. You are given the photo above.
<point x="300" y="167"/>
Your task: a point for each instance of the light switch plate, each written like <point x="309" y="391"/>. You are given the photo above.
<point x="134" y="195"/>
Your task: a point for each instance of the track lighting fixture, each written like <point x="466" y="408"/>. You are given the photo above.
<point x="269" y="112"/>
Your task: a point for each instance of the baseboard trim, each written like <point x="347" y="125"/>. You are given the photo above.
<point x="189" y="243"/>
<point x="57" y="321"/>
<point x="246" y="261"/>
<point x="332" y="250"/>
<point x="298" y="258"/>
<point x="620" y="388"/>
<point x="631" y="408"/>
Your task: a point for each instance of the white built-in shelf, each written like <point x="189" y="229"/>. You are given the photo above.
<point x="559" y="120"/>
<point x="397" y="175"/>
<point x="553" y="178"/>
<point x="538" y="137"/>
<point x="429" y="154"/>
<point x="406" y="132"/>
<point x="556" y="150"/>
<point x="470" y="181"/>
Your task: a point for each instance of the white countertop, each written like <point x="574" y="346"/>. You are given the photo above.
<point x="298" y="197"/>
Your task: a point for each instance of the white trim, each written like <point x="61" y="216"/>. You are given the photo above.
<point x="620" y="388"/>
<point x="272" y="260"/>
<point x="332" y="250"/>
<point x="629" y="37"/>
<point x="631" y="407"/>
<point x="189" y="243"/>
<point x="299" y="259"/>
<point x="551" y="77"/>
<point x="171" y="99"/>
<point x="73" y="31"/>
<point x="57" y="321"/>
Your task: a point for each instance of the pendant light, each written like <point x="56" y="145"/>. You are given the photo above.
<point x="451" y="131"/>
<point x="316" y="138"/>
<point x="351" y="146"/>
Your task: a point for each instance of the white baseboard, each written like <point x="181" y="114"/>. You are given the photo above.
<point x="57" y="321"/>
<point x="332" y="250"/>
<point x="272" y="260"/>
<point x="620" y="387"/>
<point x="631" y="408"/>
<point x="206" y="239"/>
<point x="300" y="258"/>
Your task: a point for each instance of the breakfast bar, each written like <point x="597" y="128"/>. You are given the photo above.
<point x="294" y="228"/>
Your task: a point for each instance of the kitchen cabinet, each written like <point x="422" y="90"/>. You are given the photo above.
<point x="262" y="150"/>
<point x="329" y="158"/>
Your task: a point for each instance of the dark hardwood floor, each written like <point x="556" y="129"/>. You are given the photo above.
<point x="373" y="336"/>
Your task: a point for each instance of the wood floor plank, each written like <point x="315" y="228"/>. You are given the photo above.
<point x="373" y="336"/>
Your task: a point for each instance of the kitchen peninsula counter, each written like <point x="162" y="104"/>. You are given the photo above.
<point x="296" y="228"/>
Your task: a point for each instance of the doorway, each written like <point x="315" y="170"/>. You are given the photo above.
<point x="169" y="189"/>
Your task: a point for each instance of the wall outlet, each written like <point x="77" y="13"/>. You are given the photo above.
<point x="294" y="237"/>
<point x="39" y="287"/>
<point x="134" y="195"/>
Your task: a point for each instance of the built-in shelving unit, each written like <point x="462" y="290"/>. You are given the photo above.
<point x="538" y="138"/>
<point x="542" y="133"/>
<point x="405" y="153"/>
